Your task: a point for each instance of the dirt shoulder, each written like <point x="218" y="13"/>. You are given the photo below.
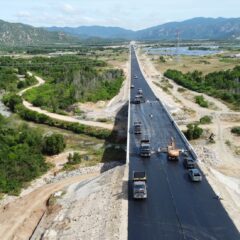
<point x="19" y="218"/>
<point x="87" y="210"/>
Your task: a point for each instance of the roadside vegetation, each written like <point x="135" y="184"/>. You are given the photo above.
<point x="22" y="155"/>
<point x="236" y="130"/>
<point x="193" y="131"/>
<point x="201" y="101"/>
<point x="224" y="84"/>
<point x="205" y="120"/>
<point x="69" y="79"/>
<point x="16" y="104"/>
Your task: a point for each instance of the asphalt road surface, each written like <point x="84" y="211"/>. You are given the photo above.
<point x="176" y="208"/>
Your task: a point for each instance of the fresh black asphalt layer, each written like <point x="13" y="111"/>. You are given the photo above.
<point x="176" y="209"/>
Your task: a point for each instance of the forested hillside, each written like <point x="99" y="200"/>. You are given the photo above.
<point x="17" y="34"/>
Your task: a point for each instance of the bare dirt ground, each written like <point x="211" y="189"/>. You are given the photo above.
<point x="19" y="218"/>
<point x="219" y="161"/>
<point x="88" y="210"/>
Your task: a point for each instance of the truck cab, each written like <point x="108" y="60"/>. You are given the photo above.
<point x="137" y="99"/>
<point x="140" y="92"/>
<point x="137" y="127"/>
<point x="145" y="150"/>
<point x="139" y="185"/>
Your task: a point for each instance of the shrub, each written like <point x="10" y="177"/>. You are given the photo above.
<point x="162" y="59"/>
<point x="74" y="158"/>
<point x="236" y="130"/>
<point x="11" y="101"/>
<point x="53" y="144"/>
<point x="205" y="120"/>
<point x="181" y="90"/>
<point x="21" y="159"/>
<point x="193" y="131"/>
<point x="201" y="101"/>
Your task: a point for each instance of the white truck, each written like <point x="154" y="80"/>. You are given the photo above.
<point x="145" y="150"/>
<point x="139" y="185"/>
<point x="137" y="127"/>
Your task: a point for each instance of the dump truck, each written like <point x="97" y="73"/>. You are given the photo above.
<point x="139" y="185"/>
<point x="145" y="150"/>
<point x="137" y="99"/>
<point x="173" y="152"/>
<point x="137" y="127"/>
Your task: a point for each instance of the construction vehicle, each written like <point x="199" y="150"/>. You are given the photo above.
<point x="211" y="138"/>
<point x="145" y="150"/>
<point x="137" y="127"/>
<point x="140" y="92"/>
<point x="139" y="185"/>
<point x="173" y="152"/>
<point x="137" y="99"/>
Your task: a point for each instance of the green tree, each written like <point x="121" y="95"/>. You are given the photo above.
<point x="53" y="144"/>
<point x="193" y="131"/>
<point x="11" y="101"/>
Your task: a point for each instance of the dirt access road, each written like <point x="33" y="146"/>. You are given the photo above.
<point x="19" y="218"/>
<point x="29" y="106"/>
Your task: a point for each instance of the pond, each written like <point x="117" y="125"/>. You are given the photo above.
<point x="172" y="51"/>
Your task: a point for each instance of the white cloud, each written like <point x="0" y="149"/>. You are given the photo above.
<point x="23" y="14"/>
<point x="67" y="8"/>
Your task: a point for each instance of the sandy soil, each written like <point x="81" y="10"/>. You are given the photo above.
<point x="218" y="161"/>
<point x="19" y="218"/>
<point x="88" y="210"/>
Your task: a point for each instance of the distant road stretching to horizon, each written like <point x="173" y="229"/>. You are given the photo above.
<point x="176" y="209"/>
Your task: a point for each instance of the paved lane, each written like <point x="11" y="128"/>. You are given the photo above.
<point x="176" y="208"/>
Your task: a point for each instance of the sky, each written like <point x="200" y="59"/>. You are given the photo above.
<point x="130" y="14"/>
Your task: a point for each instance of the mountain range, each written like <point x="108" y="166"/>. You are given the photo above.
<point x="196" y="28"/>
<point x="17" y="34"/>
